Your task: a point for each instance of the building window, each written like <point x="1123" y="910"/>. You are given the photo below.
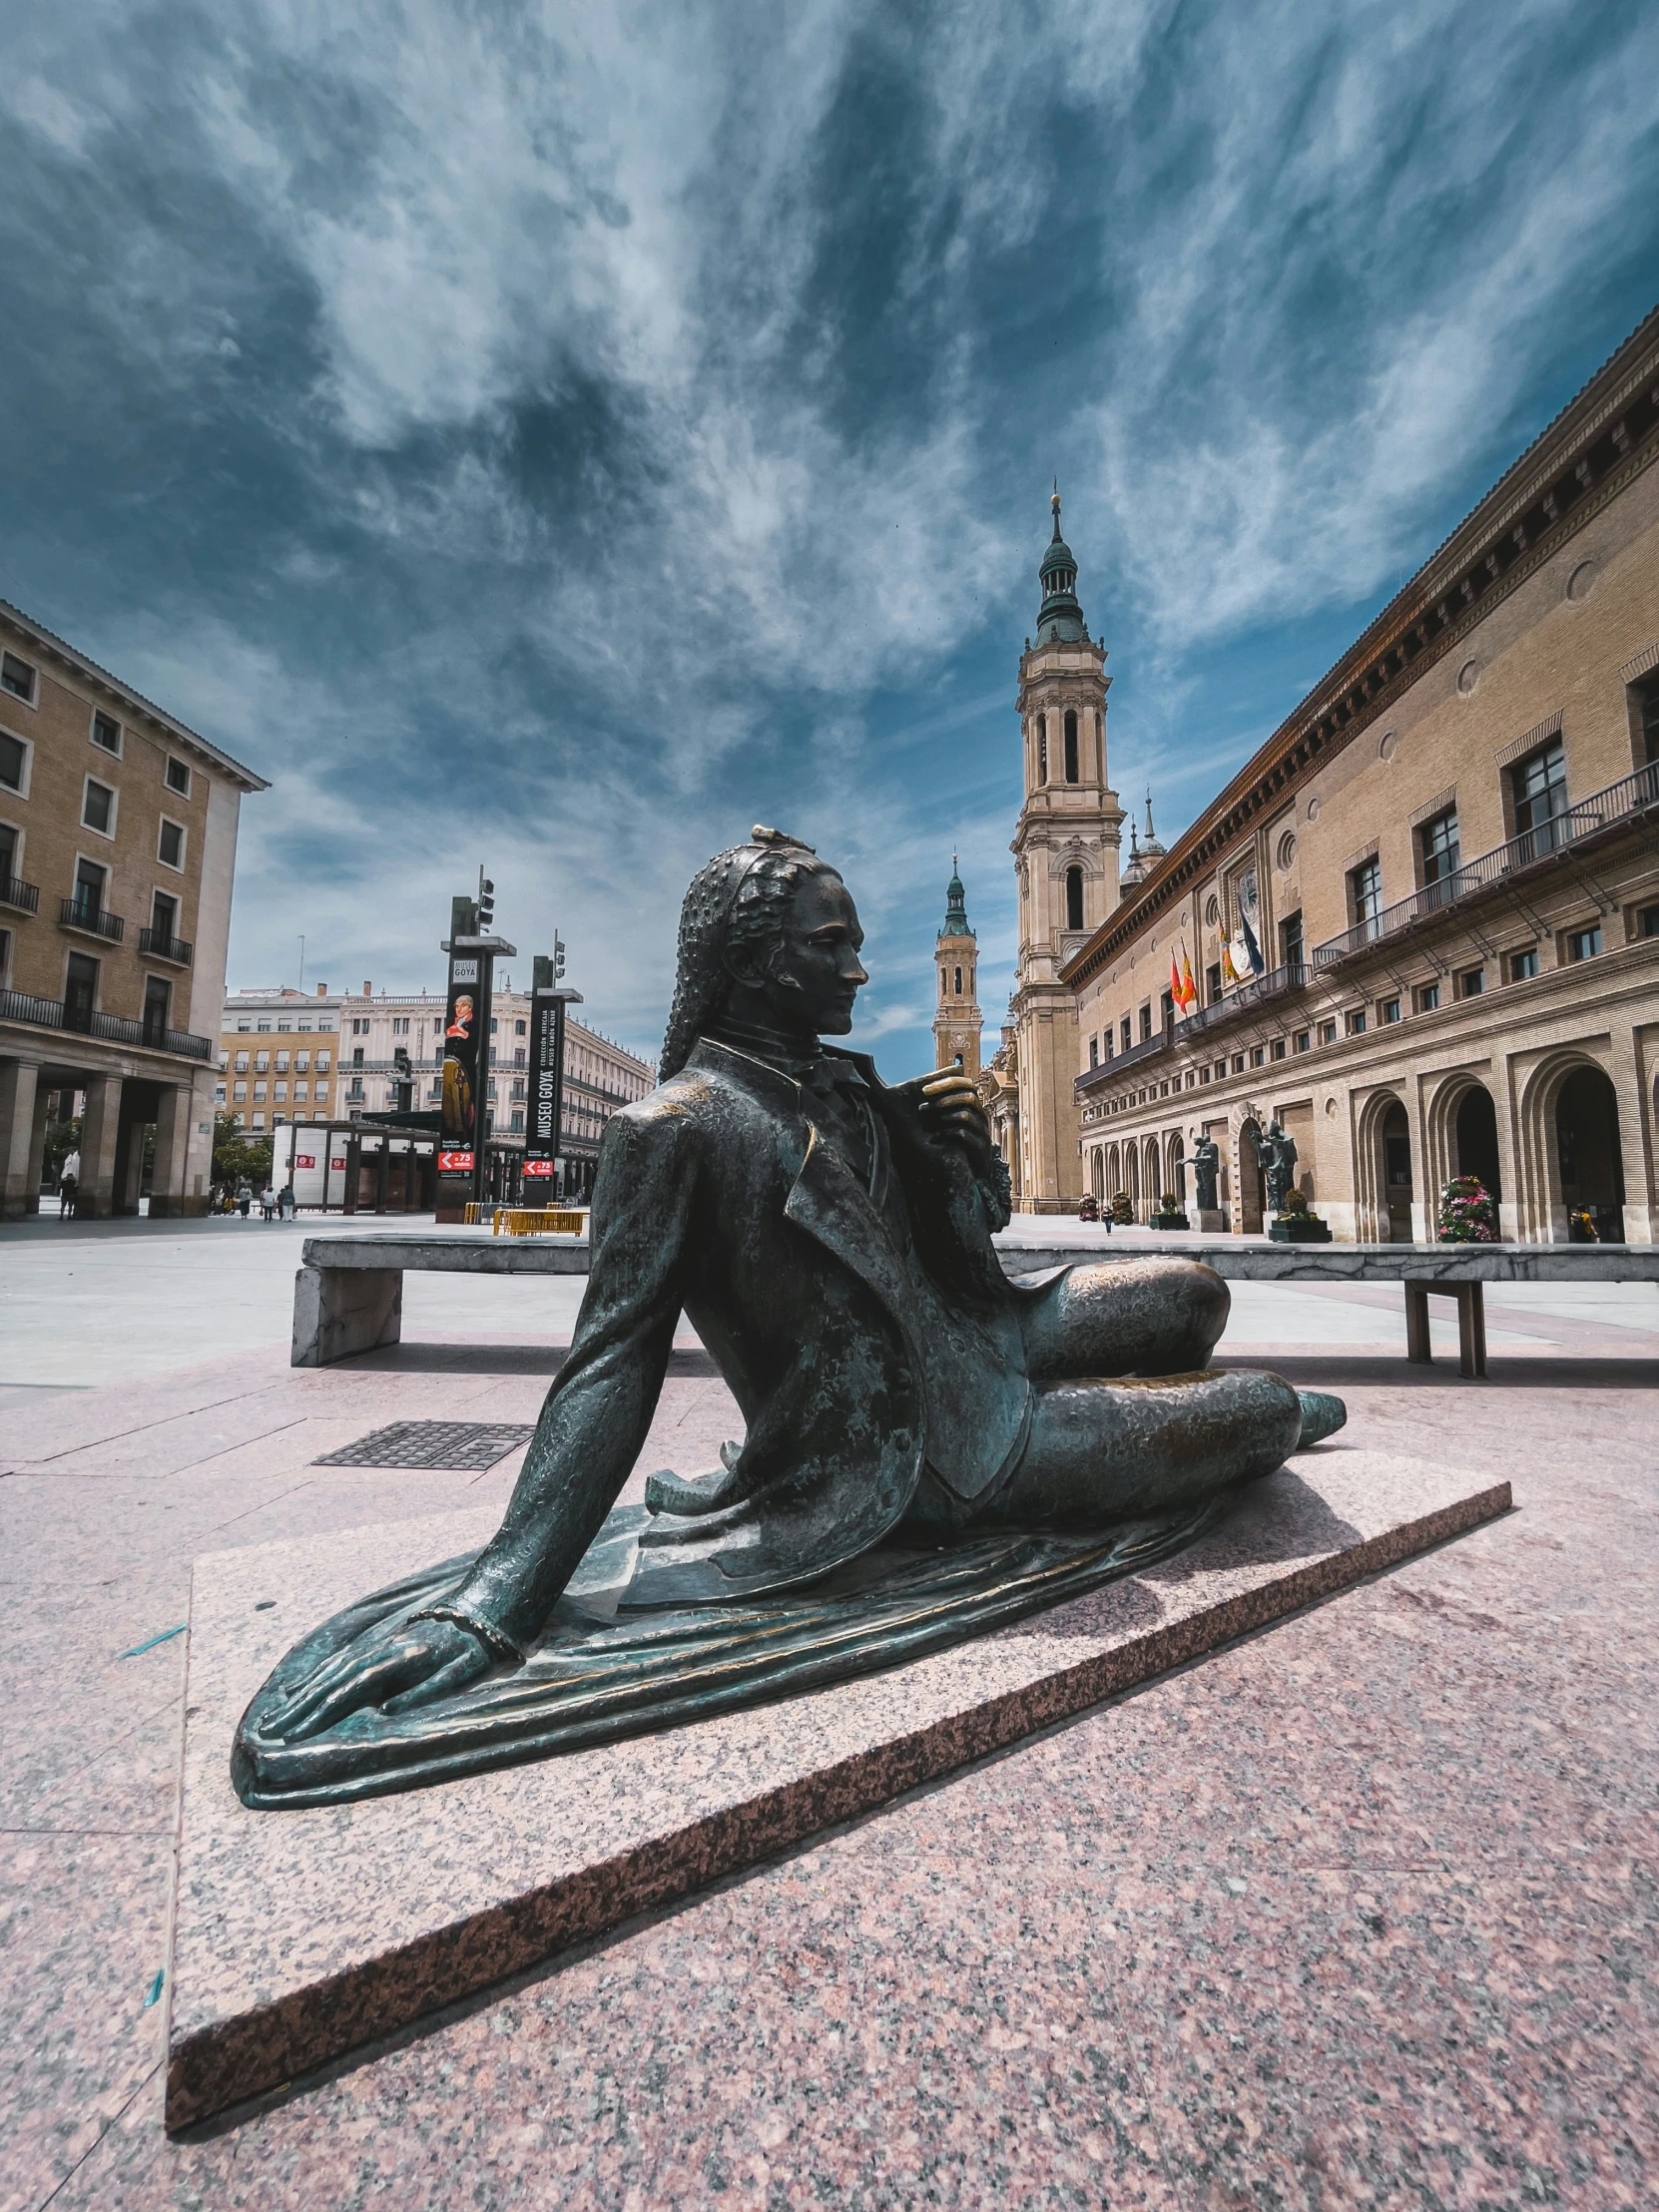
<point x="219" y="1094"/>
<point x="1074" y="899"/>
<point x="282" y="1064"/>
<point x="264" y="1027"/>
<point x="360" y="1029"/>
<point x="1354" y="1023"/>
<point x="1237" y="1063"/>
<point x="1042" y="748"/>
<point x="106" y="730"/>
<point x="1289" y="945"/>
<point x="98" y="807"/>
<point x="1647" y="922"/>
<point x="1146" y="1021"/>
<point x="400" y="1025"/>
<point x="1212" y="984"/>
<point x="1257" y="1056"/>
<point x="1094" y="1052"/>
<point x="1523" y="964"/>
<point x="1300" y="1040"/>
<point x="1387" y="1011"/>
<point x="1644" y="719"/>
<point x="1429" y="998"/>
<point x="1438" y="852"/>
<point x="320" y="1091"/>
<point x="259" y="1090"/>
<point x="178" y="776"/>
<point x="170" y="846"/>
<point x="1071" y="745"/>
<point x="1364" y="897"/>
<point x="302" y="1090"/>
<point x="958" y="984"/>
<point x="90" y="879"/>
<point x="1328" y="1032"/>
<point x="17" y="677"/>
<point x="279" y="1090"/>
<point x="262" y="1062"/>
<point x="1278" y="1048"/>
<point x="520" y="1030"/>
<point x="259" y="1121"/>
<point x="1538" y="796"/>
<point x="242" y="1063"/>
<point x="14" y="760"/>
<point x="1471" y="983"/>
<point x="323" y="1059"/>
<point x="1585" y="944"/>
<point x="301" y="1061"/>
<point x="356" y="1055"/>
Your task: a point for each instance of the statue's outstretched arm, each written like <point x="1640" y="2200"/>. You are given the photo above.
<point x="589" y="1435"/>
<point x="596" y="1416"/>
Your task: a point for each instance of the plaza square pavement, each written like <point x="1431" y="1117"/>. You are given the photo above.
<point x="1357" y="1910"/>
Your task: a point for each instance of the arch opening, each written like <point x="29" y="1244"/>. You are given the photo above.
<point x="1071" y="745"/>
<point x="1074" y="899"/>
<point x="1589" y="1156"/>
<point x="1394" y="1138"/>
<point x="1250" y="1179"/>
<point x="1475" y="1136"/>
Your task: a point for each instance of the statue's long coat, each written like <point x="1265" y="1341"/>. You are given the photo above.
<point x="866" y="1330"/>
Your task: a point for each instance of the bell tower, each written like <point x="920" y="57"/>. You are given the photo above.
<point x="1065" y="850"/>
<point x="958" y="1022"/>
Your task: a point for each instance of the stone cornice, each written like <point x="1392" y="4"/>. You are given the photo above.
<point x="1595" y="447"/>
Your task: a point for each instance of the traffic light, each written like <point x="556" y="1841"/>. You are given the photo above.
<point x="486" y="904"/>
<point x="558" y="958"/>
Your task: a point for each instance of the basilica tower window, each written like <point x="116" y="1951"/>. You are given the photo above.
<point x="1042" y="748"/>
<point x="1074" y="899"/>
<point x="1071" y="745"/>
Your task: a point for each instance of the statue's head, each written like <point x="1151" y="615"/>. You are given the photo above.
<point x="769" y="926"/>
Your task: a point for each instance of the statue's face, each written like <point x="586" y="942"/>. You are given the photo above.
<point x="815" y="973"/>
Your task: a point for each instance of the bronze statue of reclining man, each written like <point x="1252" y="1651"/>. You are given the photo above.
<point x="831" y="1240"/>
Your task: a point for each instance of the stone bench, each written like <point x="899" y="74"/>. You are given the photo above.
<point x="348" y="1294"/>
<point x="1425" y="1270"/>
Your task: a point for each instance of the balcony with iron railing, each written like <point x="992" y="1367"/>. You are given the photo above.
<point x="161" y="944"/>
<point x="52" y="1013"/>
<point x="96" y="922"/>
<point x="1145" y="1050"/>
<point x="23" y="898"/>
<point x="1605" y="809"/>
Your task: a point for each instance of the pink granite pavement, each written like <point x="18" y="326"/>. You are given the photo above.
<point x="1359" y="1911"/>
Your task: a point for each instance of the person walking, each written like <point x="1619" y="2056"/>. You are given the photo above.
<point x="267" y="1203"/>
<point x="244" y="1199"/>
<point x="286" y="1203"/>
<point x="69" y="1186"/>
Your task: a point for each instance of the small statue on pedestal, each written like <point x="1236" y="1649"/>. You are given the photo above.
<point x="1276" y="1157"/>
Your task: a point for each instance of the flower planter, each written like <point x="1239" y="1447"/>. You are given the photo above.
<point x="1170" y="1221"/>
<point x="1299" y="1229"/>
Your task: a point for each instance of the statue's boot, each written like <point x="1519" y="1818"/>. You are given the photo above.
<point x="1322" y="1416"/>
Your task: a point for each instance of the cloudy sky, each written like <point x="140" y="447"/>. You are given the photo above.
<point x="560" y="436"/>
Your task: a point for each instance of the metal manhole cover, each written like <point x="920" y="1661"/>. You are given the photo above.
<point x="469" y="1445"/>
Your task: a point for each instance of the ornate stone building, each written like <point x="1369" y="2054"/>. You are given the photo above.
<point x="1424" y="918"/>
<point x="1065" y="851"/>
<point x="958" y="1022"/>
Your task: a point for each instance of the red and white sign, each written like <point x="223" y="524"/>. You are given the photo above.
<point x="538" y="1167"/>
<point x="455" y="1163"/>
<point x="304" y="1159"/>
<point x="337" y="1163"/>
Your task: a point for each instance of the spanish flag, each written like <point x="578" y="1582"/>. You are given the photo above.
<point x="1189" y="988"/>
<point x="1228" y="974"/>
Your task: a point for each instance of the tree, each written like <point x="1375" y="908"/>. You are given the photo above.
<point x="238" y="1158"/>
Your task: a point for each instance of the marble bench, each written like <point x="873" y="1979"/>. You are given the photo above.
<point x="348" y="1294"/>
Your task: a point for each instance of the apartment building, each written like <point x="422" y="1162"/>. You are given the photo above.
<point x="117" y="841"/>
<point x="285" y="1057"/>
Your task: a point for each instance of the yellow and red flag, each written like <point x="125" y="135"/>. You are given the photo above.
<point x="1187" y="983"/>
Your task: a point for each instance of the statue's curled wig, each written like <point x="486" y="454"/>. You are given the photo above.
<point x="739" y="898"/>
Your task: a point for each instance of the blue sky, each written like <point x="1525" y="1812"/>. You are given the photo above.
<point x="561" y="437"/>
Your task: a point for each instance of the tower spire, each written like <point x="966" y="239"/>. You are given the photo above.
<point x="1059" y="618"/>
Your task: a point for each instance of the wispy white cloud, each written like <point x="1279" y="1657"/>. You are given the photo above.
<point x="561" y="436"/>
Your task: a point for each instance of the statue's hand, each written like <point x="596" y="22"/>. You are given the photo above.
<point x="950" y="1109"/>
<point x="396" y="1669"/>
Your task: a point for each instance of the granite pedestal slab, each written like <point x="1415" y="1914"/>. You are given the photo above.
<point x="298" y="1935"/>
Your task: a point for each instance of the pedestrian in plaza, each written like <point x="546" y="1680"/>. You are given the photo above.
<point x="69" y="1186"/>
<point x="286" y="1203"/>
<point x="268" y="1202"/>
<point x="244" y="1199"/>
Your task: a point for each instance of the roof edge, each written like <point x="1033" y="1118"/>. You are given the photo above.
<point x="50" y="643"/>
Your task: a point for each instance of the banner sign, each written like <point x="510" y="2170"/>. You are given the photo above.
<point x="537" y="1167"/>
<point x="305" y="1160"/>
<point x="547" y="1056"/>
<point x="455" y="1163"/>
<point x="460" y="1051"/>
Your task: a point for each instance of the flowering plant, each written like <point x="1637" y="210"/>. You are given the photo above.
<point x="1469" y="1212"/>
<point x="1296" y="1204"/>
<point x="1121" y="1207"/>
